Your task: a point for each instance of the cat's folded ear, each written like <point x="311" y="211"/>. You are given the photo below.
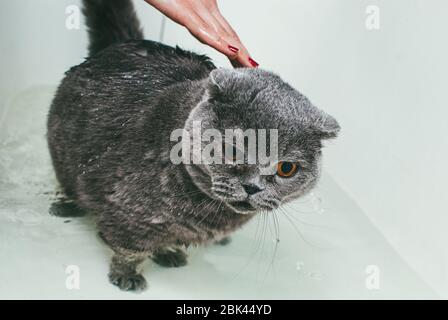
<point x="326" y="126"/>
<point x="223" y="81"/>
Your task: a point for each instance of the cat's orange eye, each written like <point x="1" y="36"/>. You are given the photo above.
<point x="286" y="169"/>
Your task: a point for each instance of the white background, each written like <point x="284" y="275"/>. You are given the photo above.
<point x="386" y="87"/>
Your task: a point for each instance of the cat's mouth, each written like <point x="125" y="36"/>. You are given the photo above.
<point x="242" y="206"/>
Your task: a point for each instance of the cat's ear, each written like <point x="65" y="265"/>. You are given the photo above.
<point x="220" y="77"/>
<point x="326" y="126"/>
<point x="223" y="81"/>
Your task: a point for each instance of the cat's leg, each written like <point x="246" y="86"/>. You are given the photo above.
<point x="170" y="257"/>
<point x="224" y="241"/>
<point x="65" y="208"/>
<point x="123" y="271"/>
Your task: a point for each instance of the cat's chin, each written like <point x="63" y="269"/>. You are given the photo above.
<point x="242" y="207"/>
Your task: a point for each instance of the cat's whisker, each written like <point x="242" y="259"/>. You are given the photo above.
<point x="218" y="212"/>
<point x="299" y="211"/>
<point x="266" y="227"/>
<point x="272" y="204"/>
<point x="257" y="230"/>
<point x="203" y="205"/>
<point x="193" y="212"/>
<point x="258" y="238"/>
<point x="214" y="202"/>
<point x="294" y="217"/>
<point x="299" y="232"/>
<point x="206" y="206"/>
<point x="186" y="194"/>
<point x="276" y="241"/>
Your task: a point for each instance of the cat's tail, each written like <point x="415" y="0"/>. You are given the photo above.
<point x="110" y="22"/>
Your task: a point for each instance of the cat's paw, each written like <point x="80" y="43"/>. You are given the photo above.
<point x="224" y="241"/>
<point x="66" y="209"/>
<point x="170" y="258"/>
<point x="128" y="282"/>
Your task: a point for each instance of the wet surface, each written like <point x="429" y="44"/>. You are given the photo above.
<point x="321" y="246"/>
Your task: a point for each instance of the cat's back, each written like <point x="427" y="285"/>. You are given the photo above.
<point x="128" y="68"/>
<point x="101" y="102"/>
<point x="119" y="83"/>
<point x="113" y="89"/>
<point x="161" y="64"/>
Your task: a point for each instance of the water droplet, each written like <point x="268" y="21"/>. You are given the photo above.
<point x="316" y="275"/>
<point x="316" y="203"/>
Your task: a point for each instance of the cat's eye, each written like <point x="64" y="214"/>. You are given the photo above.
<point x="286" y="169"/>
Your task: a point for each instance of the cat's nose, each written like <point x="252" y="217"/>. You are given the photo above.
<point x="251" y="189"/>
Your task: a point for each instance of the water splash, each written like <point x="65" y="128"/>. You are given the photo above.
<point x="316" y="203"/>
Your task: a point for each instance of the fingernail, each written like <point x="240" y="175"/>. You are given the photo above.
<point x="233" y="49"/>
<point x="253" y="62"/>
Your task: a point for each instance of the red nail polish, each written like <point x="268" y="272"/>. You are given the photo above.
<point x="253" y="62"/>
<point x="233" y="49"/>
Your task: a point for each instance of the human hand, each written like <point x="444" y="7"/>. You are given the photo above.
<point x="204" y="21"/>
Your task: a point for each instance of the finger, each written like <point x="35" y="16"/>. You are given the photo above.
<point x="208" y="28"/>
<point x="244" y="59"/>
<point x="208" y="32"/>
<point x="205" y="11"/>
<point x="224" y="23"/>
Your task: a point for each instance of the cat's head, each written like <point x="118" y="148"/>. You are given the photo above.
<point x="256" y="99"/>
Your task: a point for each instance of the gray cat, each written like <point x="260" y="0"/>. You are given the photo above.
<point x="109" y="133"/>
